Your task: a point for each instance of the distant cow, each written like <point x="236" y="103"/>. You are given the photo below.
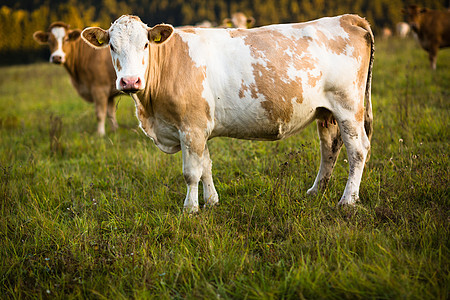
<point x="238" y="20"/>
<point x="91" y="71"/>
<point x="386" y="33"/>
<point x="402" y="29"/>
<point x="432" y="28"/>
<point x="205" y="24"/>
<point x="266" y="83"/>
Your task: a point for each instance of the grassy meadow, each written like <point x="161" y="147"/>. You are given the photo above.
<point x="102" y="218"/>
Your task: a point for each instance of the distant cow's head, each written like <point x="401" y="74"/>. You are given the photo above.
<point x="129" y="40"/>
<point x="238" y="20"/>
<point x="57" y="38"/>
<point x="414" y="16"/>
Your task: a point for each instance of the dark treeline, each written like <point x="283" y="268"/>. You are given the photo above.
<point x="19" y="19"/>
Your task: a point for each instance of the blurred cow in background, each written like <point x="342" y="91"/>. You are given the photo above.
<point x="91" y="71"/>
<point x="402" y="29"/>
<point x="386" y="33"/>
<point x="205" y="24"/>
<point x="432" y="28"/>
<point x="238" y="20"/>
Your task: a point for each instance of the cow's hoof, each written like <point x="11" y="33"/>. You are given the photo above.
<point x="348" y="202"/>
<point x="190" y="209"/>
<point x="212" y="201"/>
<point x="114" y="126"/>
<point x="211" y="204"/>
<point x="311" y="192"/>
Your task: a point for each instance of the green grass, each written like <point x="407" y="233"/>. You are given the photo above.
<point x="90" y="217"/>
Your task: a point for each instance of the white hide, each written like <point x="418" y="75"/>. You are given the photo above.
<point x="226" y="72"/>
<point x="128" y="45"/>
<point x="59" y="33"/>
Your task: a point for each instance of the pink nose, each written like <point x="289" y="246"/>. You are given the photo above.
<point x="130" y="83"/>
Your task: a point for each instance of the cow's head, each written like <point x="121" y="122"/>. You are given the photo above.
<point x="238" y="20"/>
<point x="129" y="40"/>
<point x="57" y="38"/>
<point x="414" y="16"/>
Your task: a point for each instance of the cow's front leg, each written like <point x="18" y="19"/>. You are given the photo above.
<point x="195" y="153"/>
<point x="432" y="56"/>
<point x="209" y="191"/>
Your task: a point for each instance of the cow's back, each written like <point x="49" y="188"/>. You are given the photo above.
<point x="266" y="83"/>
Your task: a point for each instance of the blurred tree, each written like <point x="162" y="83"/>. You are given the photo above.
<point x="38" y="20"/>
<point x="20" y="18"/>
<point x="111" y="10"/>
<point x="4" y="21"/>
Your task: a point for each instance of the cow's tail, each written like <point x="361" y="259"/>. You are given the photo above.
<point x="368" y="116"/>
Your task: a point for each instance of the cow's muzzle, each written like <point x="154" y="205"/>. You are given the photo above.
<point x="56" y="59"/>
<point x="131" y="84"/>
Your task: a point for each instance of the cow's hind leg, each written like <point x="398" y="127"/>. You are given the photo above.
<point x="330" y="146"/>
<point x="357" y="145"/>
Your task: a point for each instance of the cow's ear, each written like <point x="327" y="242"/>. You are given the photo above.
<point x="250" y="22"/>
<point x="74" y="35"/>
<point x="227" y="22"/>
<point x="95" y="37"/>
<point x="160" y="33"/>
<point x="41" y="37"/>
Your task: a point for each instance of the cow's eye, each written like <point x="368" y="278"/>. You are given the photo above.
<point x="111" y="47"/>
<point x="146" y="46"/>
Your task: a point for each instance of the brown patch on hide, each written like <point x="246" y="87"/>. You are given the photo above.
<point x="118" y="65"/>
<point x="272" y="71"/>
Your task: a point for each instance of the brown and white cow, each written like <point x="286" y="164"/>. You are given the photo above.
<point x="266" y="83"/>
<point x="91" y="71"/>
<point x="432" y="28"/>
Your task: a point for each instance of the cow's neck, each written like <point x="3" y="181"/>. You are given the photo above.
<point x="154" y="85"/>
<point x="71" y="58"/>
<point x="171" y="80"/>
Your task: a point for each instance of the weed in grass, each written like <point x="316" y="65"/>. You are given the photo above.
<point x="55" y="129"/>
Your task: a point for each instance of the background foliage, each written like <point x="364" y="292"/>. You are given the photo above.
<point x="19" y="19"/>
